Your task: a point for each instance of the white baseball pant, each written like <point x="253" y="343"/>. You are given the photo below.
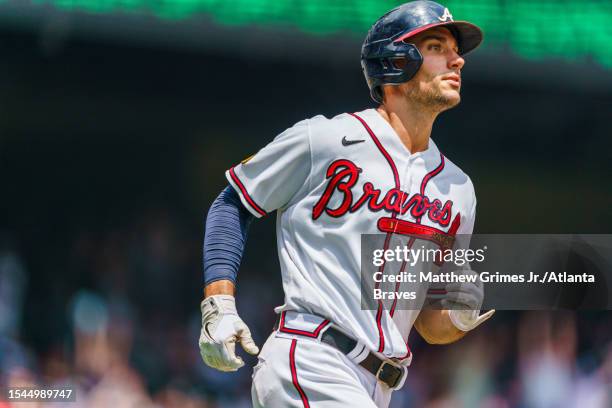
<point x="299" y="371"/>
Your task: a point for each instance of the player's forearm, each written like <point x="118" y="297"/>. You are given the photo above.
<point x="436" y="327"/>
<point x="224" y="240"/>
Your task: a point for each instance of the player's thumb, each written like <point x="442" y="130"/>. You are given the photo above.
<point x="484" y="317"/>
<point x="246" y="340"/>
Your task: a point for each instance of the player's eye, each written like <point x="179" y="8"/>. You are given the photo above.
<point x="434" y="47"/>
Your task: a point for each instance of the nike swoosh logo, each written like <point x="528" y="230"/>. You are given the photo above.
<point x="346" y="142"/>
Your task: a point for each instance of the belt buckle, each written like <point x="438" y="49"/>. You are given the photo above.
<point x="399" y="381"/>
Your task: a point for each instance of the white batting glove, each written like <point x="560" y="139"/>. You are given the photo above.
<point x="463" y="301"/>
<point x="221" y="329"/>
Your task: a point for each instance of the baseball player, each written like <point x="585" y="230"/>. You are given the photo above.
<point x="331" y="180"/>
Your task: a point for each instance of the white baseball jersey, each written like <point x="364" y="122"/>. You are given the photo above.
<point x="332" y="180"/>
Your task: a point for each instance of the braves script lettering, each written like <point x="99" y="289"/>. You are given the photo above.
<point x="343" y="174"/>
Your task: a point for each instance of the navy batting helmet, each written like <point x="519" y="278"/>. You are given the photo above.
<point x="387" y="42"/>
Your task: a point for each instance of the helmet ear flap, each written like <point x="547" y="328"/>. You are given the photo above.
<point x="398" y="62"/>
<point x="414" y="53"/>
<point x="395" y="63"/>
<point x="407" y="52"/>
<point x="405" y="63"/>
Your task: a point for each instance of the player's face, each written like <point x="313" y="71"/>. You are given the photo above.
<point x="437" y="83"/>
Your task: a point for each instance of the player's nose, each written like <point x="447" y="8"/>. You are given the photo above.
<point x="456" y="61"/>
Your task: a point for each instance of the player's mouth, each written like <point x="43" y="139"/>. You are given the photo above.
<point x="453" y="79"/>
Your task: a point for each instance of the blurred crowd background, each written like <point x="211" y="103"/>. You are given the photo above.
<point x="118" y="119"/>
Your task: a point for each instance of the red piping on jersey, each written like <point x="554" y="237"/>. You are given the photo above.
<point x="294" y="377"/>
<point x="381" y="148"/>
<point x="392" y="312"/>
<point x="408" y="228"/>
<point x="245" y="193"/>
<point x="432" y="174"/>
<point x="404" y="227"/>
<point x="379" y="310"/>
<point x="314" y="334"/>
<point x="428" y="177"/>
<point x="381" y="335"/>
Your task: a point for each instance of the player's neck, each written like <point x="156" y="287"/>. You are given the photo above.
<point x="412" y="125"/>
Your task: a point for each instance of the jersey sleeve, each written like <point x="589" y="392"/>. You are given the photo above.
<point x="269" y="179"/>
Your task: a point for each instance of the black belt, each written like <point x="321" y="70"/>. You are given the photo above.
<point x="386" y="371"/>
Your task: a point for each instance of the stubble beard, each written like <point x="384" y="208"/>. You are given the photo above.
<point x="431" y="98"/>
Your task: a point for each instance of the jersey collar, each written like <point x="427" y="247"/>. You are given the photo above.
<point x="392" y="142"/>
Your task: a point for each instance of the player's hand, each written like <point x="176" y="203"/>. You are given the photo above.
<point x="222" y="328"/>
<point x="463" y="301"/>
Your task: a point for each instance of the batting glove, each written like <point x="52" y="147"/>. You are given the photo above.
<point x="463" y="301"/>
<point x="221" y="329"/>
